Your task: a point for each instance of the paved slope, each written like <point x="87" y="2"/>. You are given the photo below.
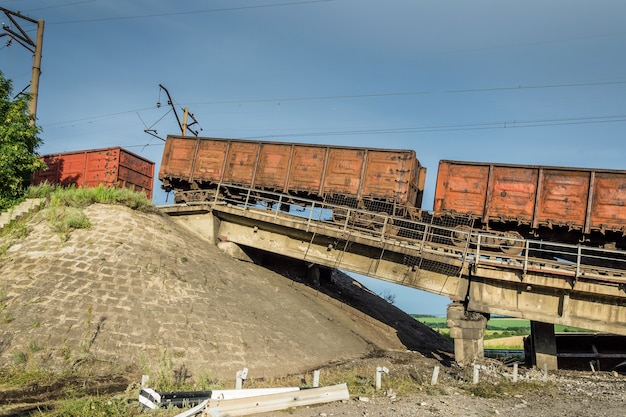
<point x="138" y="288"/>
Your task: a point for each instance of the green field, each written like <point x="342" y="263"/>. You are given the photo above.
<point x="497" y="327"/>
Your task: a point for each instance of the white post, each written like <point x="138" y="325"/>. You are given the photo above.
<point x="379" y="372"/>
<point x="514" y="373"/>
<point x="316" y="378"/>
<point x="241" y="376"/>
<point x="144" y="380"/>
<point x="435" y="377"/>
<point x="476" y="370"/>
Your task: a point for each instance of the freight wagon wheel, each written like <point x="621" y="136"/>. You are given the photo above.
<point x="460" y="235"/>
<point x="512" y="243"/>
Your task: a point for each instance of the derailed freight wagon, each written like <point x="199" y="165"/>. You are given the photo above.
<point x="381" y="180"/>
<point x="571" y="205"/>
<point x="111" y="167"/>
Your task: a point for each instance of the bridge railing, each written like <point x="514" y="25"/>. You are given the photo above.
<point x="451" y="237"/>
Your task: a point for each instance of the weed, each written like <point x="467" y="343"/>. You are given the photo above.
<point x="64" y="219"/>
<point x="20" y="376"/>
<point x="92" y="406"/>
<point x="34" y="347"/>
<point x="19" y="357"/>
<point x="502" y="388"/>
<point x="5" y="316"/>
<point x="83" y="197"/>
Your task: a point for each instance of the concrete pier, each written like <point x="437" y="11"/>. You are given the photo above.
<point x="468" y="330"/>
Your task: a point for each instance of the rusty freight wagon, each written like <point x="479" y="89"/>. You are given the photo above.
<point x="111" y="167"/>
<point x="572" y="205"/>
<point x="381" y="180"/>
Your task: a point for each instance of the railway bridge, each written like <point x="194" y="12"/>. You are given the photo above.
<point x="545" y="282"/>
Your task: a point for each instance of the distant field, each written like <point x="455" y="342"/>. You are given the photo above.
<point x="499" y="324"/>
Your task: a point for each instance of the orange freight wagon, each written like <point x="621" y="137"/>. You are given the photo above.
<point x="536" y="200"/>
<point x="110" y="167"/>
<point x="196" y="167"/>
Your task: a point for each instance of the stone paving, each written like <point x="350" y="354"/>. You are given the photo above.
<point x="20" y="211"/>
<point x="138" y="288"/>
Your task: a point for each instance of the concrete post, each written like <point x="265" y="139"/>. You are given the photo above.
<point x="544" y="345"/>
<point x="467" y="329"/>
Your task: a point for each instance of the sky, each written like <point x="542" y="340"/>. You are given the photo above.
<point x="526" y="82"/>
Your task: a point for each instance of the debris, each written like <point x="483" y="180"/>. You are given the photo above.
<point x="241" y="402"/>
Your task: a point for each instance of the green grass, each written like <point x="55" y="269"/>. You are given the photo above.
<point x="83" y="197"/>
<point x="503" y="326"/>
<point x="65" y="204"/>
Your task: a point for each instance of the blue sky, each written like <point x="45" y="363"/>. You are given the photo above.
<point x="530" y="82"/>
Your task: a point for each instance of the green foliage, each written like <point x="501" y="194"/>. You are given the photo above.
<point x="83" y="197"/>
<point x="65" y="208"/>
<point x="118" y="406"/>
<point x="18" y="143"/>
<point x="64" y="219"/>
<point x="20" y="376"/>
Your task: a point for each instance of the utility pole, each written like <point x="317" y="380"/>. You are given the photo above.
<point x="184" y="126"/>
<point x="21" y="37"/>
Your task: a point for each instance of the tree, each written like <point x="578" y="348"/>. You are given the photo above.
<point x="18" y="143"/>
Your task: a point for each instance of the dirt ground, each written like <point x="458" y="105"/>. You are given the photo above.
<point x="560" y="393"/>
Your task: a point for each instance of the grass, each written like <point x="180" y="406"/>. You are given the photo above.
<point x="65" y="208"/>
<point x="83" y="197"/>
<point x="65" y="204"/>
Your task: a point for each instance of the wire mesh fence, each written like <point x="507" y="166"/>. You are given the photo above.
<point x="453" y="238"/>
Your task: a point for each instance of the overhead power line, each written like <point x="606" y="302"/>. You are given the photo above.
<point x="458" y="127"/>
<point x="413" y="93"/>
<point x="225" y="9"/>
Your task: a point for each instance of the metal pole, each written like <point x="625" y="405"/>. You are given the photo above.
<point x="21" y="37"/>
<point x="184" y="126"/>
<point x="34" y="83"/>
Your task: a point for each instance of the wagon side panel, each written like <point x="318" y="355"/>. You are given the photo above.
<point x="136" y="173"/>
<point x="461" y="188"/>
<point x="388" y="175"/>
<point x="52" y="173"/>
<point x="273" y="167"/>
<point x="344" y="171"/>
<point x="563" y="197"/>
<point x="209" y="160"/>
<point x="608" y="206"/>
<point x="307" y="169"/>
<point x="241" y="163"/>
<point x="101" y="167"/>
<point x="512" y="193"/>
<point x="71" y="168"/>
<point x="177" y="159"/>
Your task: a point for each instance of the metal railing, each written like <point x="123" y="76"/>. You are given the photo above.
<point x="453" y="237"/>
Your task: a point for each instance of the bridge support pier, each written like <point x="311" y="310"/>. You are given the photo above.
<point x="544" y="345"/>
<point x="467" y="329"/>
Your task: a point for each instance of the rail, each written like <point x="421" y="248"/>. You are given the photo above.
<point x="452" y="236"/>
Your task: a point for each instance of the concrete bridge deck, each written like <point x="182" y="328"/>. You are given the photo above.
<point x="546" y="283"/>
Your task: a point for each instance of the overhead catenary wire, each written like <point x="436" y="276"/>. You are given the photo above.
<point x="502" y="124"/>
<point x="216" y="10"/>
